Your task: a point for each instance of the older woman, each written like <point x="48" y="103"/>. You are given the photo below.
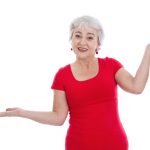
<point x="87" y="89"/>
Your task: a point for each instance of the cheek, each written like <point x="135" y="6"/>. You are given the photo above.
<point x="96" y="45"/>
<point x="93" y="46"/>
<point x="74" y="43"/>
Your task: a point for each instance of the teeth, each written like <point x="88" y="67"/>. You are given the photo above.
<point x="82" y="49"/>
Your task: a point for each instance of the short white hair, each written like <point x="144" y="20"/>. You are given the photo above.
<point x="89" y="22"/>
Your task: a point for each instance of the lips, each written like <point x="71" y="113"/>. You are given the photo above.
<point x="82" y="49"/>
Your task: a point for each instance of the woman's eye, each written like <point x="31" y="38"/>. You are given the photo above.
<point x="77" y="36"/>
<point x="90" y="38"/>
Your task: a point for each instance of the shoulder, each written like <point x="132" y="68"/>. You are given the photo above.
<point x="111" y="63"/>
<point x="109" y="60"/>
<point x="63" y="71"/>
<point x="60" y="78"/>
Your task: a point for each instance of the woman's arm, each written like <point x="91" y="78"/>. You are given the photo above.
<point x="135" y="84"/>
<point x="55" y="117"/>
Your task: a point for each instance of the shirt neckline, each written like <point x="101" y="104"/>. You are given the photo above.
<point x="99" y="70"/>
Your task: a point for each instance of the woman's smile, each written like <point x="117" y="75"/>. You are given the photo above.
<point x="81" y="49"/>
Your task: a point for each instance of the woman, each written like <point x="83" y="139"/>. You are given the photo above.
<point x="87" y="89"/>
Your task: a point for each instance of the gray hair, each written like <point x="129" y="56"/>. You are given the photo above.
<point x="90" y="22"/>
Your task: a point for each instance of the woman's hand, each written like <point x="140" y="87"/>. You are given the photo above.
<point x="11" y="112"/>
<point x="55" y="117"/>
<point x="148" y="47"/>
<point x="148" y="50"/>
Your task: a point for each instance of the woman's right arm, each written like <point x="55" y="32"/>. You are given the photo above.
<point x="55" y="117"/>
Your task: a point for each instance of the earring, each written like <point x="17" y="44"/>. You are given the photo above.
<point x="96" y="51"/>
<point x="71" y="49"/>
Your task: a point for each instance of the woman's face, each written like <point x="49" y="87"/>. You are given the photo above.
<point x="84" y="42"/>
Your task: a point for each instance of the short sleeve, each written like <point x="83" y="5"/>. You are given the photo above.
<point x="58" y="81"/>
<point x="115" y="64"/>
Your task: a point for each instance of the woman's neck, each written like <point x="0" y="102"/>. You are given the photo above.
<point x="86" y="63"/>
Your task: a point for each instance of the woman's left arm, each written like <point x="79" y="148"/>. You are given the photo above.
<point x="137" y="83"/>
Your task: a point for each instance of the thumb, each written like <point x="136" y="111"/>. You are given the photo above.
<point x="12" y="109"/>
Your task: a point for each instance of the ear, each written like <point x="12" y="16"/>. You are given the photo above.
<point x="98" y="45"/>
<point x="98" y="48"/>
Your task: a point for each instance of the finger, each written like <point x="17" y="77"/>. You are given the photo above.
<point x="11" y="109"/>
<point x="3" y="114"/>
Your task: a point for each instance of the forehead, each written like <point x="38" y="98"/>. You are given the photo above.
<point x="85" y="29"/>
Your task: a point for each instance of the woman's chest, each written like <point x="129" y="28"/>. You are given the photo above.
<point x="96" y="89"/>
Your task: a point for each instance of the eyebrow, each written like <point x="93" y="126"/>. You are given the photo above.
<point x="92" y="34"/>
<point x="87" y="33"/>
<point x="77" y="32"/>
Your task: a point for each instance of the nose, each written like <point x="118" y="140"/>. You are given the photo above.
<point x="83" y="41"/>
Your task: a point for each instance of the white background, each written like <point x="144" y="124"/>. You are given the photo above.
<point x="34" y="45"/>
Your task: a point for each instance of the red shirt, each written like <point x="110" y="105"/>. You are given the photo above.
<point x="93" y="107"/>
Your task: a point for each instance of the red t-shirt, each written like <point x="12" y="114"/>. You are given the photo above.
<point x="93" y="108"/>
